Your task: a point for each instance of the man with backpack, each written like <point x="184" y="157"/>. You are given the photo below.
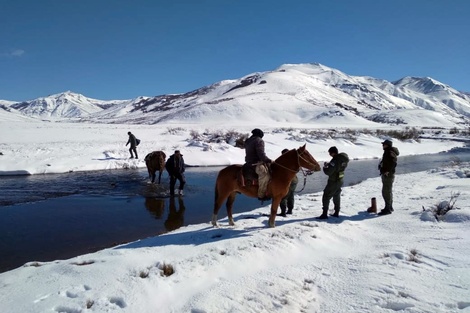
<point x="335" y="171"/>
<point x="387" y="172"/>
<point x="134" y="143"/>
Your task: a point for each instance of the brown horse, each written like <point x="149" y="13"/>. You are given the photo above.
<point x="155" y="161"/>
<point x="283" y="170"/>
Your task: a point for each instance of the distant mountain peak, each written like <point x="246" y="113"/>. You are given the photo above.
<point x="292" y="93"/>
<point x="422" y="84"/>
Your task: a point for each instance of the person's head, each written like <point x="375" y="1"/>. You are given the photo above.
<point x="257" y="132"/>
<point x="387" y="144"/>
<point x="128" y="133"/>
<point x="333" y="150"/>
<point x="284" y="151"/>
<point x="177" y="152"/>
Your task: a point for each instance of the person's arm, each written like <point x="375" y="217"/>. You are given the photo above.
<point x="260" y="152"/>
<point x="329" y="167"/>
<point x="168" y="167"/>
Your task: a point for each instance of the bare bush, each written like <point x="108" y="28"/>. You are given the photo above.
<point x="144" y="274"/>
<point x="440" y="209"/>
<point x="413" y="256"/>
<point x="405" y="134"/>
<point x="166" y="269"/>
<point x="230" y="137"/>
<point x="174" y="130"/>
<point x="194" y="134"/>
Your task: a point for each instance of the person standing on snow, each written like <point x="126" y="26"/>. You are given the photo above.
<point x="335" y="171"/>
<point x="387" y="171"/>
<point x="288" y="201"/>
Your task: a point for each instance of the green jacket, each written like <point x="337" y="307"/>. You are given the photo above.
<point x="389" y="160"/>
<point x="335" y="168"/>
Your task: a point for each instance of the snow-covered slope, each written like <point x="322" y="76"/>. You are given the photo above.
<point x="292" y="93"/>
<point x="63" y="105"/>
<point x="8" y="114"/>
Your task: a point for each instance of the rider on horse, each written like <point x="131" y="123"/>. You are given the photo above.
<point x="255" y="156"/>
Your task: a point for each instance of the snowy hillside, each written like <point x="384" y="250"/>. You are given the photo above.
<point x="311" y="94"/>
<point x="63" y="105"/>
<point x="11" y="115"/>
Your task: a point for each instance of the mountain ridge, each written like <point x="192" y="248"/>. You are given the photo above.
<point x="296" y="93"/>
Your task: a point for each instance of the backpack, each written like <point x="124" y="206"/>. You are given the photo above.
<point x="137" y="141"/>
<point x="344" y="159"/>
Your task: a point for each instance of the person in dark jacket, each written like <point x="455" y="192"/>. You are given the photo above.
<point x="335" y="171"/>
<point x="175" y="167"/>
<point x="133" y="141"/>
<point x="387" y="171"/>
<point x="288" y="201"/>
<point x="255" y="156"/>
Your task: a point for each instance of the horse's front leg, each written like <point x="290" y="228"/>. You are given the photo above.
<point x="274" y="207"/>
<point x="159" y="177"/>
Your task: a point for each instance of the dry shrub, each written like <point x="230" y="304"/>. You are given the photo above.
<point x="166" y="269"/>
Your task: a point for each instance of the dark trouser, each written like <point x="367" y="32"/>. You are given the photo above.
<point x="173" y="178"/>
<point x="288" y="200"/>
<point x="387" y="194"/>
<point x="332" y="190"/>
<point x="135" y="151"/>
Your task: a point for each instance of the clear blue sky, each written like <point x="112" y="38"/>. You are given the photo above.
<point x="122" y="49"/>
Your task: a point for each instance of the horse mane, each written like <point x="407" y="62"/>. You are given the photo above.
<point x="285" y="155"/>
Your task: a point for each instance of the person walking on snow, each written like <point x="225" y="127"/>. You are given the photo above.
<point x="133" y="141"/>
<point x="387" y="172"/>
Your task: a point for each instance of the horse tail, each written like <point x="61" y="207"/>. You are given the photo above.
<point x="216" y="193"/>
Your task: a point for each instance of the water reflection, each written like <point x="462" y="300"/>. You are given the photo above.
<point x="175" y="218"/>
<point x="175" y="214"/>
<point x="155" y="206"/>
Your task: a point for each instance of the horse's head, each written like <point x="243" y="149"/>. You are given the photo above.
<point x="296" y="159"/>
<point x="306" y="160"/>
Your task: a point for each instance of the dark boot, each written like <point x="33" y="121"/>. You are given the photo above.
<point x="336" y="214"/>
<point x="283" y="212"/>
<point x="289" y="211"/>
<point x="324" y="215"/>
<point x="373" y="206"/>
<point x="385" y="211"/>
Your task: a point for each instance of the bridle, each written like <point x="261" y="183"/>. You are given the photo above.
<point x="304" y="172"/>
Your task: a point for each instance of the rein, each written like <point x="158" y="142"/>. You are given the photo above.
<point x="304" y="172"/>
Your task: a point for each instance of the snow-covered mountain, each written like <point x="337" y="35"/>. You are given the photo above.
<point x="292" y="93"/>
<point x="63" y="105"/>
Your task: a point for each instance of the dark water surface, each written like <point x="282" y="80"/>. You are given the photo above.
<point x="50" y="217"/>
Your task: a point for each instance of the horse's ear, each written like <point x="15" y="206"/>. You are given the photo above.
<point x="301" y="149"/>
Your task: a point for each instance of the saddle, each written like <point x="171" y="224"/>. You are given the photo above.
<point x="247" y="176"/>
